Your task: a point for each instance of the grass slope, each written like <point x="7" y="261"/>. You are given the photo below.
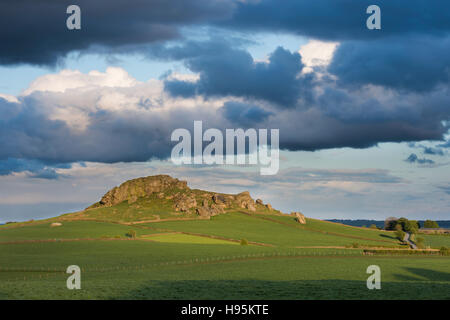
<point x="197" y="260"/>
<point x="69" y="230"/>
<point x="339" y="229"/>
<point x="150" y="270"/>
<point x="253" y="228"/>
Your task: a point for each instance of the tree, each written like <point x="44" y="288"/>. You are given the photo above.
<point x="430" y="224"/>
<point x="411" y="226"/>
<point x="400" y="235"/>
<point x="390" y="223"/>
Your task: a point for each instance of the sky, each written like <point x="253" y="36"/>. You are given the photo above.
<point x="363" y="114"/>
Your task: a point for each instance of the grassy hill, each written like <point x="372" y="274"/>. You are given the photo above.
<point x="153" y="251"/>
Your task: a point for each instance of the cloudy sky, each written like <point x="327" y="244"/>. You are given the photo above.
<point x="364" y="115"/>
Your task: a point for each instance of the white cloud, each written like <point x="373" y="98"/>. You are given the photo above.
<point x="9" y="98"/>
<point x="317" y="54"/>
<point x="72" y="79"/>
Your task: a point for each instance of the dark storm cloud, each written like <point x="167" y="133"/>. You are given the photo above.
<point x="407" y="63"/>
<point x="341" y="19"/>
<point x="33" y="168"/>
<point x="438" y="151"/>
<point x="31" y="134"/>
<point x="29" y="130"/>
<point x="410" y="52"/>
<point x="244" y="114"/>
<point x="413" y="158"/>
<point x="433" y="151"/>
<point x="35" y="32"/>
<point x="228" y="71"/>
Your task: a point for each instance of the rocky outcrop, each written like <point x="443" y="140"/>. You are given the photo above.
<point x="170" y="192"/>
<point x="299" y="217"/>
<point x="133" y="189"/>
<point x="184" y="202"/>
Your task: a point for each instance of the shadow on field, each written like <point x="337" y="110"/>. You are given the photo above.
<point x="423" y="274"/>
<point x="292" y="290"/>
<point x="389" y="237"/>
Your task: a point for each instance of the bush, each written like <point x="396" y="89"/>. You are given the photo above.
<point x="420" y="246"/>
<point x="430" y="224"/>
<point x="373" y="226"/>
<point x="444" y="251"/>
<point x="131" y="234"/>
<point x="244" y="242"/>
<point x="355" y="245"/>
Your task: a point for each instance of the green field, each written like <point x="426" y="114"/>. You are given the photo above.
<point x="187" y="238"/>
<point x="436" y="241"/>
<point x="69" y="230"/>
<point x="203" y="259"/>
<point x="253" y="228"/>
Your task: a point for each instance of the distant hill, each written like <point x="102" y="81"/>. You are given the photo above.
<point x="380" y="223"/>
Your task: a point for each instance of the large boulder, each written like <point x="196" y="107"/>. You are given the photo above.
<point x="244" y="200"/>
<point x="250" y="206"/>
<point x="213" y="210"/>
<point x="218" y="198"/>
<point x="299" y="217"/>
<point x="203" y="212"/>
<point x="56" y="224"/>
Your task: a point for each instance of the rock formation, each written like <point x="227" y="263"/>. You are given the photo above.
<point x="299" y="217"/>
<point x="166" y="190"/>
<point x="131" y="190"/>
<point x="185" y="202"/>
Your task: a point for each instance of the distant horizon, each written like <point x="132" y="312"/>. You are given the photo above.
<point x="82" y="206"/>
